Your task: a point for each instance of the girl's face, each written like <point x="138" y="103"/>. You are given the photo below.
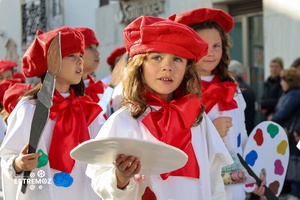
<point x="7" y="74"/>
<point x="91" y="60"/>
<point x="284" y="85"/>
<point x="71" y="72"/>
<point x="209" y="62"/>
<point x="163" y="73"/>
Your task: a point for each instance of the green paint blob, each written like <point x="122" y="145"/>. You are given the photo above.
<point x="273" y="130"/>
<point x="43" y="159"/>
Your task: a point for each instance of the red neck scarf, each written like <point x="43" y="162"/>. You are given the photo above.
<point x="94" y="89"/>
<point x="221" y="93"/>
<point x="172" y="124"/>
<point x="74" y="115"/>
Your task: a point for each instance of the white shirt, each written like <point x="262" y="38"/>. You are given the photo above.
<point x="210" y="152"/>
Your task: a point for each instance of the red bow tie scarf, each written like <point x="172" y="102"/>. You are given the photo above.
<point x="171" y="124"/>
<point x="221" y="93"/>
<point x="94" y="89"/>
<point x="74" y="115"/>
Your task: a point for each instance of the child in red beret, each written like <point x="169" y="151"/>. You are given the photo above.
<point x="91" y="60"/>
<point x="223" y="100"/>
<point x="161" y="104"/>
<point x="112" y="60"/>
<point x="73" y="119"/>
<point x="6" y="69"/>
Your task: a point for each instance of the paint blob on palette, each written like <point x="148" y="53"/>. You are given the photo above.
<point x="267" y="149"/>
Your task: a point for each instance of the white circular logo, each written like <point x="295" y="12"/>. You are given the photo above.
<point x="32" y="175"/>
<point x="40" y="187"/>
<point x="32" y="187"/>
<point x="41" y="173"/>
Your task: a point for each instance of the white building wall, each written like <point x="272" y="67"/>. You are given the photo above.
<point x="281" y="31"/>
<point x="281" y="25"/>
<point x="109" y="32"/>
<point x="10" y="26"/>
<point x="80" y="13"/>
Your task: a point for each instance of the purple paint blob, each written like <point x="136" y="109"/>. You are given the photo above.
<point x="279" y="169"/>
<point x="251" y="157"/>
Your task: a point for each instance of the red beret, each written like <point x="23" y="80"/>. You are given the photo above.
<point x="12" y="94"/>
<point x="34" y="62"/>
<point x="89" y="36"/>
<point x="200" y="15"/>
<point x="4" y="85"/>
<point x="154" y="34"/>
<point x="6" y="65"/>
<point x="114" y="54"/>
<point x="20" y="75"/>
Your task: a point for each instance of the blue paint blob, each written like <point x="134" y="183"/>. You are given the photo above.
<point x="251" y="157"/>
<point x="63" y="179"/>
<point x="239" y="140"/>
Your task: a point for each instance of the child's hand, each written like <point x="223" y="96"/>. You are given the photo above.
<point x="222" y="125"/>
<point x="127" y="167"/>
<point x="26" y="162"/>
<point x="261" y="189"/>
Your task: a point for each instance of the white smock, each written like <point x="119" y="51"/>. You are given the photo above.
<point x="237" y="135"/>
<point x="209" y="149"/>
<point x="45" y="183"/>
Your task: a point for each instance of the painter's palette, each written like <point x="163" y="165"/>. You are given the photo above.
<point x="267" y="148"/>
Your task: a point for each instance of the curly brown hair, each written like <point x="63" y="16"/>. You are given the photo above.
<point x="133" y="84"/>
<point x="291" y="76"/>
<point x="222" y="68"/>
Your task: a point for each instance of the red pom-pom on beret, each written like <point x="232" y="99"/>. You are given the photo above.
<point x="153" y="34"/>
<point x="114" y="54"/>
<point x="34" y="61"/>
<point x="7" y="65"/>
<point x="4" y="85"/>
<point x="200" y="15"/>
<point x="12" y="94"/>
<point x="89" y="36"/>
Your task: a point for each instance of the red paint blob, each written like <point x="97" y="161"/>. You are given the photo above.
<point x="258" y="137"/>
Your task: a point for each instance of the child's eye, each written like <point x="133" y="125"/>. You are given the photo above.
<point x="81" y="55"/>
<point x="177" y="59"/>
<point x="71" y="55"/>
<point x="157" y="57"/>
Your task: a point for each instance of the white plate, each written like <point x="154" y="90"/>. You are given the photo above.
<point x="155" y="157"/>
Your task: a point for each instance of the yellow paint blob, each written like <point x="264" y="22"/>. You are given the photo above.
<point x="281" y="147"/>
